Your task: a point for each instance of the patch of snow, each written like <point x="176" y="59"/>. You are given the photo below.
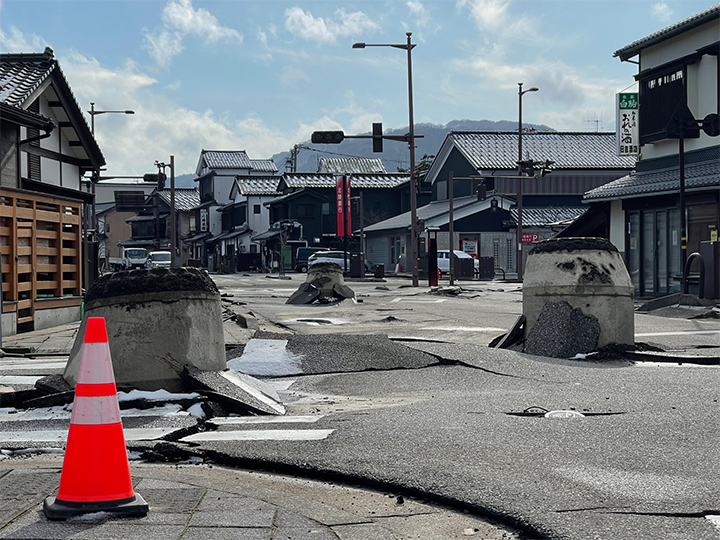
<point x="267" y="357"/>
<point x="156" y="395"/>
<point x="197" y="411"/>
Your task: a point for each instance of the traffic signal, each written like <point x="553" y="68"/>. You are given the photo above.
<point x="711" y="125"/>
<point x="377" y="137"/>
<point x="159" y="178"/>
<point x="327" y="137"/>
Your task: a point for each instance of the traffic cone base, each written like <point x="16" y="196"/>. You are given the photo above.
<point x="132" y="506"/>
<point x="96" y="472"/>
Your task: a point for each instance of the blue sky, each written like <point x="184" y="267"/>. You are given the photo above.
<point x="262" y="75"/>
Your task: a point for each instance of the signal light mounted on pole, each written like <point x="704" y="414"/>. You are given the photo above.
<point x="327" y="137"/>
<point x="159" y="178"/>
<point x="377" y="137"/>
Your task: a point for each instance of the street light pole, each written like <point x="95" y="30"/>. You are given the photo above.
<point x="414" y="236"/>
<point x="96" y="176"/>
<point x="521" y="92"/>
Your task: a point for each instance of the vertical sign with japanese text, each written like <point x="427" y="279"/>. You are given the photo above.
<point x="348" y="207"/>
<point x="628" y="131"/>
<point x="340" y="205"/>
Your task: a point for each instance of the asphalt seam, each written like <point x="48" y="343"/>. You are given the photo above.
<point x="513" y="524"/>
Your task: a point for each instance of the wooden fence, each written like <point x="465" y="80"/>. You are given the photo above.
<point x="41" y="253"/>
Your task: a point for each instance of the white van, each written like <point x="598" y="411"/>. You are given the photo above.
<point x="443" y="260"/>
<point x="158" y="259"/>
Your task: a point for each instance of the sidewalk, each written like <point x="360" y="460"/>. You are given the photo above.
<point x="207" y="502"/>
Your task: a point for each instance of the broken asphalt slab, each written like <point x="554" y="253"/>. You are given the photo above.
<point x="266" y="356"/>
<point x="237" y="391"/>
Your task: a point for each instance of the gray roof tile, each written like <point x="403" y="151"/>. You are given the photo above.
<point x="258" y="185"/>
<point x="698" y="176"/>
<point x="569" y="150"/>
<point x="328" y="180"/>
<point x="227" y="159"/>
<point x="264" y="165"/>
<point x="185" y="198"/>
<point x="546" y="216"/>
<point x="673" y="30"/>
<point x="351" y="165"/>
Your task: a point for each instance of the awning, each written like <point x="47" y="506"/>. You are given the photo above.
<point x="267" y="235"/>
<point x="136" y="219"/>
<point x="136" y="243"/>
<point x="198" y="237"/>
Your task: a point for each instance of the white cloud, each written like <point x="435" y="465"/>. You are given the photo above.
<point x="303" y="24"/>
<point x="15" y="41"/>
<point x="487" y="14"/>
<point x="159" y="127"/>
<point x="292" y="75"/>
<point x="662" y="12"/>
<point x="180" y="20"/>
<point x="418" y="10"/>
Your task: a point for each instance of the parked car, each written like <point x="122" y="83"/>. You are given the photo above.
<point x="301" y="257"/>
<point x="158" y="259"/>
<point x="443" y="260"/>
<point x="337" y="257"/>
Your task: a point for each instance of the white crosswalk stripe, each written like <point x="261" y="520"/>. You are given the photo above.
<point x="261" y="434"/>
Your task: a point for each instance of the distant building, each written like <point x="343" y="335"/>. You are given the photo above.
<point x="217" y="171"/>
<point x="641" y="212"/>
<point x="485" y="208"/>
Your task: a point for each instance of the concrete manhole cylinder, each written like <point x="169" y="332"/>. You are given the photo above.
<point x="158" y="321"/>
<point x="325" y="276"/>
<point x="590" y="275"/>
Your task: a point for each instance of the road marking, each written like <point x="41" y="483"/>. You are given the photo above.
<point x="139" y="434"/>
<point x="681" y="333"/>
<point x="28" y="380"/>
<point x="235" y="420"/>
<point x="27" y="366"/>
<point x="261" y="435"/>
<point x="464" y="329"/>
<point x="417" y="301"/>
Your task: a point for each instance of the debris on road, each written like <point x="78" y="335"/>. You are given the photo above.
<point x="324" y="284"/>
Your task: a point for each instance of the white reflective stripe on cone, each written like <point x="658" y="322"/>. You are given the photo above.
<point x="95" y="410"/>
<point x="95" y="364"/>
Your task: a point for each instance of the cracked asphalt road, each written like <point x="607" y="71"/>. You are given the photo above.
<point x="643" y="464"/>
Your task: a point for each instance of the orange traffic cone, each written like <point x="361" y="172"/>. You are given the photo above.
<point x="96" y="473"/>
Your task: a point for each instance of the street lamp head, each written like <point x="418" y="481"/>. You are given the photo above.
<point x="129" y="112"/>
<point x="532" y="89"/>
<point x="358" y="45"/>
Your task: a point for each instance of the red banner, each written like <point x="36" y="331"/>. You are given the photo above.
<point x="348" y="207"/>
<point x="340" y="206"/>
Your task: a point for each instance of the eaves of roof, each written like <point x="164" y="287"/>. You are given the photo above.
<point x="493" y="150"/>
<point x="698" y="177"/>
<point x="24" y="75"/>
<point x="360" y="181"/>
<point x="671" y="31"/>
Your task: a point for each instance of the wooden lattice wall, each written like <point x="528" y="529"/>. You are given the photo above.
<point x="41" y="252"/>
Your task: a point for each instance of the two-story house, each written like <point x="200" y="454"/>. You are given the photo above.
<point x="46" y="147"/>
<point x="243" y="218"/>
<point x="308" y="200"/>
<point x="216" y="172"/>
<point x="647" y="212"/>
<point x="485" y="194"/>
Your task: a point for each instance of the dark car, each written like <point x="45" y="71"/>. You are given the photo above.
<point x="301" y="257"/>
